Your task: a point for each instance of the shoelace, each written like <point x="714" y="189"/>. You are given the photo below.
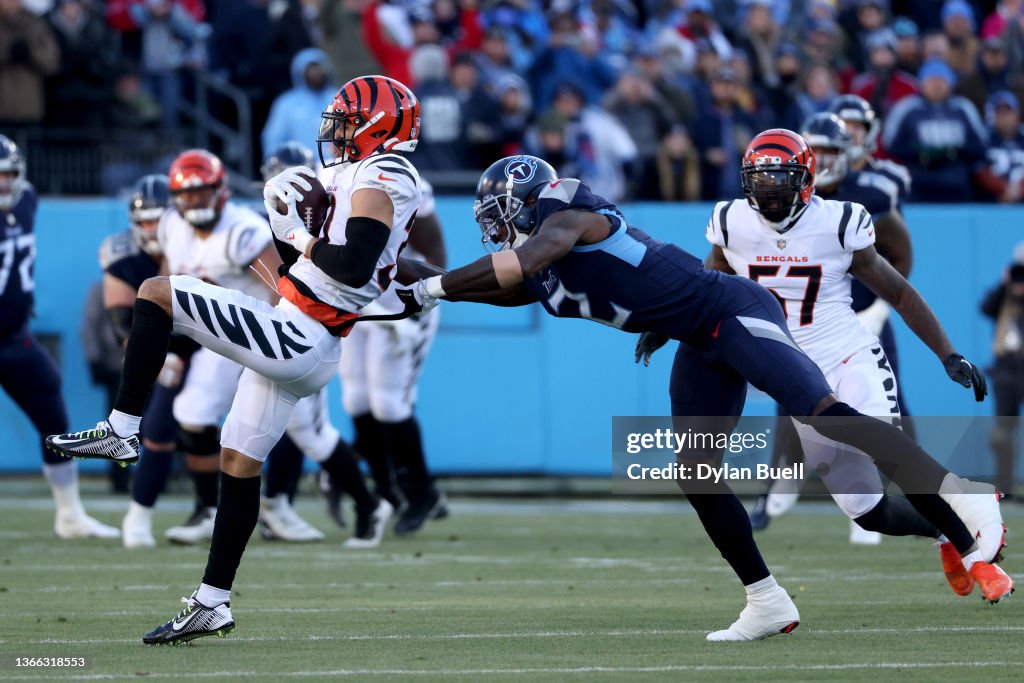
<point x="94" y="433"/>
<point x="188" y="608"/>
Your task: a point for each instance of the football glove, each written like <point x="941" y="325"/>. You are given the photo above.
<point x="289" y="228"/>
<point x="965" y="373"/>
<point x="423" y="296"/>
<point x="647" y="344"/>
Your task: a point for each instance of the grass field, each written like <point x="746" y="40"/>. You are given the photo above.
<point x="504" y="590"/>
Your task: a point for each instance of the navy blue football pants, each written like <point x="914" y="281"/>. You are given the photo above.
<point x="30" y="377"/>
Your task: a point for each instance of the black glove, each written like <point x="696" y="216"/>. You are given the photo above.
<point x="20" y="52"/>
<point x="647" y="344"/>
<point x="962" y="371"/>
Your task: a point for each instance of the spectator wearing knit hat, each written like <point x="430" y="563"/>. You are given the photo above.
<point x="908" y="45"/>
<point x="883" y="85"/>
<point x="992" y="75"/>
<point x="958" y="24"/>
<point x="938" y="136"/>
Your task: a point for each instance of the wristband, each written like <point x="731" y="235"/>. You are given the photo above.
<point x="432" y="285"/>
<point x="300" y="239"/>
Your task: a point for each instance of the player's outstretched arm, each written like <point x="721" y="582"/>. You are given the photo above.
<point x="882" y="279"/>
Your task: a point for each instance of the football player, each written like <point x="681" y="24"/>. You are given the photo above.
<point x="808" y="264"/>
<point x="379" y="371"/>
<point x="27" y="372"/>
<point x="834" y="148"/>
<point x="322" y="440"/>
<point x="575" y="253"/>
<point x="290" y="350"/>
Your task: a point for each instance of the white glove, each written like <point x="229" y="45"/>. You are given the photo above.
<point x="874" y="316"/>
<point x="288" y="228"/>
<point x="428" y="293"/>
<point x="172" y="371"/>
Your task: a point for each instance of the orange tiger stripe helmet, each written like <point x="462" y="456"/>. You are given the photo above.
<point x="198" y="185"/>
<point x="778" y="176"/>
<point x="369" y="115"/>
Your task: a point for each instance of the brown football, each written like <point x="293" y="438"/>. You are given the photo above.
<point x="315" y="207"/>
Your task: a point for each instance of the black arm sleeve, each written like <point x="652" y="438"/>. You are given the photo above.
<point x="121" y="319"/>
<point x="289" y="254"/>
<point x="353" y="263"/>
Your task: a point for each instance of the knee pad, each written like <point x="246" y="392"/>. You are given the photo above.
<point x="206" y="441"/>
<point x="869" y="510"/>
<point x="391" y="405"/>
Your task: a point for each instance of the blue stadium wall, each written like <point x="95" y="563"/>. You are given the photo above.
<point x="513" y="391"/>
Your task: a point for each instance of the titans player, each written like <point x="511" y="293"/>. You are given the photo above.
<point x="575" y="253"/>
<point x="27" y="373"/>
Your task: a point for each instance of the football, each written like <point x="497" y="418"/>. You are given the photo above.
<point x="314" y="208"/>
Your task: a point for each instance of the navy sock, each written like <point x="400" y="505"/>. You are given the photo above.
<point x="726" y="522"/>
<point x="144" y="357"/>
<point x="280" y="471"/>
<point x="151" y="475"/>
<point x="206" y="488"/>
<point x="372" y="443"/>
<point x="236" y="519"/>
<point x="895" y="516"/>
<point x="407" y="453"/>
<point x="345" y="475"/>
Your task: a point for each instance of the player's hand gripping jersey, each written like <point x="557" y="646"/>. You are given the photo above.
<point x="223" y="257"/>
<point x="331" y="302"/>
<point x="806" y="267"/>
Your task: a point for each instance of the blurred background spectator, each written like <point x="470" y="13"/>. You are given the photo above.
<point x="1001" y="176"/>
<point x="28" y="54"/>
<point x="938" y="136"/>
<point x="493" y="75"/>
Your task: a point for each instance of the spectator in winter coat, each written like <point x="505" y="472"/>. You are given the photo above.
<point x="937" y="136"/>
<point x="295" y="114"/>
<point x="1001" y="176"/>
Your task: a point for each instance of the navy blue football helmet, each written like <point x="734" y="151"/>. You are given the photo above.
<point x="505" y="199"/>
<point x="11" y="162"/>
<point x="828" y="136"/>
<point x="286" y="156"/>
<point x="853" y="109"/>
<point x="150" y="197"/>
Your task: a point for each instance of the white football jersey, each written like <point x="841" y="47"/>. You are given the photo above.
<point x="390" y="173"/>
<point x="221" y="256"/>
<point x="806" y="267"/>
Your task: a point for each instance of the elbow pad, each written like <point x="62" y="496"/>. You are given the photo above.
<point x="353" y="263"/>
<point x="121" y="319"/>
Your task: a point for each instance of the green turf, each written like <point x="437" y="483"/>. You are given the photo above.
<point x="504" y="590"/>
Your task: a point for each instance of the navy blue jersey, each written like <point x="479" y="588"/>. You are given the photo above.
<point x="877" y="193"/>
<point x="121" y="257"/>
<point x="1005" y="156"/>
<point x="17" y="262"/>
<point x="628" y="280"/>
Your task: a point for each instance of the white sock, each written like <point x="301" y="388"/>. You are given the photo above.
<point x="761" y="587"/>
<point x="63" y="480"/>
<point x="971" y="558"/>
<point x="123" y="424"/>
<point x="211" y="597"/>
<point x="139" y="511"/>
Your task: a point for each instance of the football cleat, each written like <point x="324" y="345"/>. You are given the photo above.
<point x="995" y="584"/>
<point x="977" y="504"/>
<point x="98" y="443"/>
<point x="370" y="526"/>
<point x="194" y="621"/>
<point x="77" y="524"/>
<point x="960" y="580"/>
<point x="137" y="527"/>
<point x="861" y="536"/>
<point x="782" y="498"/>
<point x="759" y="519"/>
<point x="333" y="497"/>
<point x="280" y="522"/>
<point x="433" y="505"/>
<point x="198" y="528"/>
<point x="762" y="618"/>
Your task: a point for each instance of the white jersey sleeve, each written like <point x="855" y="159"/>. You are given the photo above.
<point x="395" y="176"/>
<point x="248" y="238"/>
<point x="860" y="231"/>
<point x="716" y="232"/>
<point x="427" y="204"/>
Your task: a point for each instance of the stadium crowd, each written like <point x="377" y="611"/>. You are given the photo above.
<point x="651" y="100"/>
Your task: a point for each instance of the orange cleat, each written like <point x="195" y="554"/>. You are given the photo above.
<point x="994" y="582"/>
<point x="960" y="580"/>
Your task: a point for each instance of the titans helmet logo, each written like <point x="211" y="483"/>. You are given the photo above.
<point x="521" y="169"/>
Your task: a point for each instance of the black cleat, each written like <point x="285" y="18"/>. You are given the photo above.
<point x="195" y="621"/>
<point x="333" y="497"/>
<point x="432" y="505"/>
